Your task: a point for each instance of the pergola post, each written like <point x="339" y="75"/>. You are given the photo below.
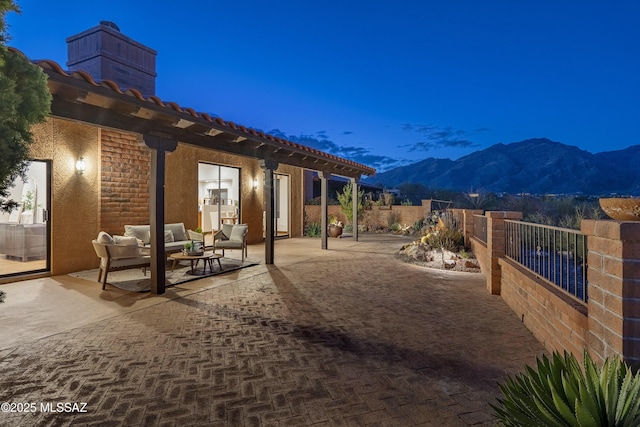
<point x="324" y="226"/>
<point x="354" y="198"/>
<point x="159" y="146"/>
<point x="269" y="166"/>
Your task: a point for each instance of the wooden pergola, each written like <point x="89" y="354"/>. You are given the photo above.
<point x="161" y="126"/>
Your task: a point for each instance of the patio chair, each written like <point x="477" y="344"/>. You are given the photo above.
<point x="114" y="257"/>
<point x="231" y="236"/>
<point x="200" y="237"/>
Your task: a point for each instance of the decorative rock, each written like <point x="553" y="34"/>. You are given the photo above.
<point x="471" y="263"/>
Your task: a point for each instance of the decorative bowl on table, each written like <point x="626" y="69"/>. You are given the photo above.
<point x="192" y="253"/>
<point x="621" y="208"/>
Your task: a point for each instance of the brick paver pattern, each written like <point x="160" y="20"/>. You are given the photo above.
<point x="348" y="338"/>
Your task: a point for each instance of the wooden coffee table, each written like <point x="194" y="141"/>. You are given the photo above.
<point x="206" y="257"/>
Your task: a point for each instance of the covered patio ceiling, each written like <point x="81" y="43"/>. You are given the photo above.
<point x="76" y="96"/>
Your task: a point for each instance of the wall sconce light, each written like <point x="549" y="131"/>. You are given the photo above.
<point x="255" y="183"/>
<point x="81" y="165"/>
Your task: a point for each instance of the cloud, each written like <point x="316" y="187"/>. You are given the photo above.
<point x="434" y="137"/>
<point x="319" y="141"/>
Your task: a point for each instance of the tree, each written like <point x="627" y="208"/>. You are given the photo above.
<point x="24" y="101"/>
<point x="346" y="202"/>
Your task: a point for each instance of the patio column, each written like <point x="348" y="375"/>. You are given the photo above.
<point x="269" y="166"/>
<point x="354" y="198"/>
<point x="159" y="146"/>
<point x="324" y="226"/>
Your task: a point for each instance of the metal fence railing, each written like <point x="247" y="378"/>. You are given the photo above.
<point x="559" y="255"/>
<point x="480" y="228"/>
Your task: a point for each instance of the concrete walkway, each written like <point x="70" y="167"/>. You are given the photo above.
<point x="344" y="337"/>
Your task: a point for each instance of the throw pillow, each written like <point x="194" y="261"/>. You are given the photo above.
<point x="125" y="240"/>
<point x="178" y="230"/>
<point x="138" y="231"/>
<point x="104" y="238"/>
<point x="237" y="233"/>
<point x="168" y="236"/>
<point x="226" y="231"/>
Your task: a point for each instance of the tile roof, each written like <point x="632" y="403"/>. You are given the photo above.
<point x="50" y="67"/>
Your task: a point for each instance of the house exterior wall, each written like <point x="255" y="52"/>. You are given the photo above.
<point x="75" y="213"/>
<point x="114" y="189"/>
<point x="182" y="173"/>
<point x="124" y="181"/>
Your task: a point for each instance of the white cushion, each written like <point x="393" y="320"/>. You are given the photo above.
<point x="226" y="231"/>
<point x="105" y="238"/>
<point x="115" y="263"/>
<point x="26" y="217"/>
<point x="168" y="236"/>
<point x="139" y="232"/>
<point x="237" y="233"/>
<point x="125" y="240"/>
<point x="178" y="230"/>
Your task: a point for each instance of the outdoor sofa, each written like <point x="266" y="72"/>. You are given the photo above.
<point x="175" y="236"/>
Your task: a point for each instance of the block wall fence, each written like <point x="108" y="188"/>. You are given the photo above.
<point x="607" y="325"/>
<point x="376" y="215"/>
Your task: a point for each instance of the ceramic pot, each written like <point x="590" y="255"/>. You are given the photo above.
<point x="621" y="208"/>
<point x="335" y="231"/>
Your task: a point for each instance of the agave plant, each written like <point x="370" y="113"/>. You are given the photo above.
<point x="560" y="393"/>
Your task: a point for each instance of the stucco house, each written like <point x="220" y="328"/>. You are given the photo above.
<point x="113" y="153"/>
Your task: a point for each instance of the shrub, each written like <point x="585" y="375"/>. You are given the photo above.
<point x="446" y="239"/>
<point x="393" y="218"/>
<point x="346" y="202"/>
<point x="316" y="201"/>
<point x="560" y="393"/>
<point x="313" y="230"/>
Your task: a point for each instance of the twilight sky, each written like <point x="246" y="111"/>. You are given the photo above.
<point x="379" y="82"/>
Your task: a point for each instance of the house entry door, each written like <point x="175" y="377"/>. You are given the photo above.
<point x="282" y="205"/>
<point x="24" y="232"/>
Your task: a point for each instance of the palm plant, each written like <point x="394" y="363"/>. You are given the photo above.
<point x="560" y="393"/>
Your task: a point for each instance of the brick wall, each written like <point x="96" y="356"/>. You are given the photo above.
<point x="557" y="320"/>
<point x="479" y="250"/>
<point x="377" y="216"/>
<point x="614" y="289"/>
<point x="608" y="325"/>
<point x="124" y="181"/>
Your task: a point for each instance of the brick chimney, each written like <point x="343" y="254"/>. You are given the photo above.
<point x="107" y="54"/>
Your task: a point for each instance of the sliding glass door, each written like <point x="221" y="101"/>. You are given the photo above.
<point x="282" y="196"/>
<point x="24" y="232"/>
<point x="218" y="195"/>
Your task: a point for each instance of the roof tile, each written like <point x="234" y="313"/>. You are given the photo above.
<point x="53" y="66"/>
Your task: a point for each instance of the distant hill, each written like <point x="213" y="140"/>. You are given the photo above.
<point x="537" y="166"/>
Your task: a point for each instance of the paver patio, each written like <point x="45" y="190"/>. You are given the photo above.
<point x="345" y="337"/>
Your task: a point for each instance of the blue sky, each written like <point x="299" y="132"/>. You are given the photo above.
<point x="382" y="83"/>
